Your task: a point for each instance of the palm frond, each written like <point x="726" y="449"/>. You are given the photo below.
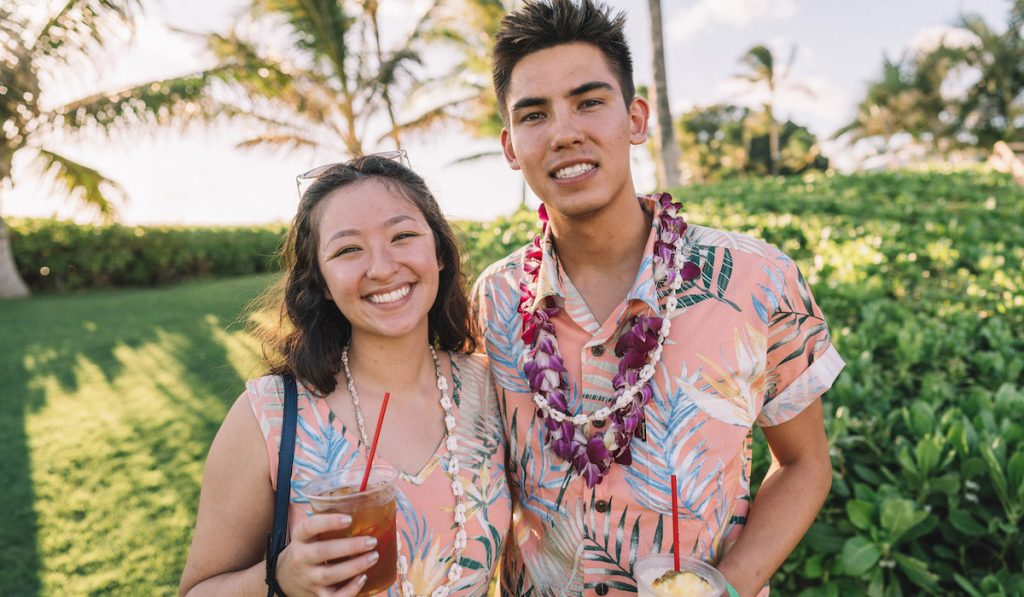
<point x="82" y="183"/>
<point x="474" y="157"/>
<point x="181" y="100"/>
<point x="432" y="119"/>
<point x="81" y="26"/>
<point x="318" y="27"/>
<point x="277" y="141"/>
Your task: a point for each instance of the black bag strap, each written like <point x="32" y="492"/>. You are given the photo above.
<point x="277" y="538"/>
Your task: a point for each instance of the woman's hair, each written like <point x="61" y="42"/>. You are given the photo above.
<point x="541" y="24"/>
<point x="309" y="333"/>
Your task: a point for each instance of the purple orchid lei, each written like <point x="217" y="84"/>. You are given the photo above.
<point x="638" y="349"/>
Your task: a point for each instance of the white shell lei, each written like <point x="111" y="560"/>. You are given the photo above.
<point x="647" y="372"/>
<point x="451" y="444"/>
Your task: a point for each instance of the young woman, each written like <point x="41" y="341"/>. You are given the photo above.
<point x="373" y="301"/>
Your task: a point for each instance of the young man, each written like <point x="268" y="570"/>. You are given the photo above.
<point x="628" y="347"/>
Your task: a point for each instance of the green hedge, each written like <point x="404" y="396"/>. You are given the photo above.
<point x="61" y="256"/>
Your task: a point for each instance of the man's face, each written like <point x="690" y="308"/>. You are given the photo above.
<point x="569" y="131"/>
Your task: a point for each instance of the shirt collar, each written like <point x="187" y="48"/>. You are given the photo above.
<point x="551" y="279"/>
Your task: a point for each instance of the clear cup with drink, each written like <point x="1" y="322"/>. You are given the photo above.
<point x="372" y="511"/>
<point x="656" y="576"/>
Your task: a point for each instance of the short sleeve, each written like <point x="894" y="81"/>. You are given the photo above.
<point x="802" y="363"/>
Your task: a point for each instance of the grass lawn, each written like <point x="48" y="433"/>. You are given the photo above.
<point x="110" y="400"/>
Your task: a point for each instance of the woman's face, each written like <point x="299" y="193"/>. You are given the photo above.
<point x="379" y="260"/>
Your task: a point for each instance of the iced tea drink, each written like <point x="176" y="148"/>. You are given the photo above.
<point x="372" y="512"/>
<point x="655" y="577"/>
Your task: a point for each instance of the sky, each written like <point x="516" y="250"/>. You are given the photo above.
<point x="198" y="177"/>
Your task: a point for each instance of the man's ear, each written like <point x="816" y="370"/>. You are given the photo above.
<point x="639" y="113"/>
<point x="506" y="147"/>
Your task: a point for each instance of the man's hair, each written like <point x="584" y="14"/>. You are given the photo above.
<point x="310" y="332"/>
<point x="542" y="24"/>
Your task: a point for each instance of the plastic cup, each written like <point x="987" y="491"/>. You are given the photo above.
<point x="652" y="566"/>
<point x="372" y="512"/>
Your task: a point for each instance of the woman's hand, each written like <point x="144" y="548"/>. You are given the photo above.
<point x="313" y="566"/>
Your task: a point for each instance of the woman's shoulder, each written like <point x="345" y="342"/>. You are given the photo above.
<point x="266" y="387"/>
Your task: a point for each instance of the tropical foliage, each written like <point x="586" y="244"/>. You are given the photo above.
<point x="723" y="141"/>
<point x="462" y="93"/>
<point x="962" y="95"/>
<point x="32" y="54"/>
<point x="767" y="77"/>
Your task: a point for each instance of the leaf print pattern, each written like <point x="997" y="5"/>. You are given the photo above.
<point x="747" y="347"/>
<point x="424" y="503"/>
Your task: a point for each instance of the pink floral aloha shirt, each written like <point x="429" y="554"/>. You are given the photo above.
<point x="748" y="345"/>
<point x="426" y="507"/>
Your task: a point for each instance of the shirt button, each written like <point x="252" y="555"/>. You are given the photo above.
<point x="601" y="588"/>
<point x="601" y="506"/>
<point x="597" y="350"/>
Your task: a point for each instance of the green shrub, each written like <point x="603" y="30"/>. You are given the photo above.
<point x="61" y="256"/>
<point x="921" y="277"/>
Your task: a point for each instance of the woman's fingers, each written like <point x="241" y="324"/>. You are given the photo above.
<point x="335" y="573"/>
<point x="308" y="529"/>
<point x="351" y="588"/>
<point x="334" y="549"/>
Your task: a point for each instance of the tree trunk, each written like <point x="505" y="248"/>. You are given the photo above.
<point x="667" y="160"/>
<point x="773" y="140"/>
<point x="11" y="284"/>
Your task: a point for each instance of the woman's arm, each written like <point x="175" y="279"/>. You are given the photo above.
<point x="793" y="491"/>
<point x="236" y="511"/>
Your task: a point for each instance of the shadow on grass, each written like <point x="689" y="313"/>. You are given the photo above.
<point x="46" y="344"/>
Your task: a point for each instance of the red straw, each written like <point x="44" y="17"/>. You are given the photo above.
<point x="675" y="524"/>
<point x="373" y="445"/>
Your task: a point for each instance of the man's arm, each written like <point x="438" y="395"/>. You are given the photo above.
<point x="785" y="506"/>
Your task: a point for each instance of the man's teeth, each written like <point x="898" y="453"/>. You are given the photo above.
<point x="572" y="171"/>
<point x="389" y="297"/>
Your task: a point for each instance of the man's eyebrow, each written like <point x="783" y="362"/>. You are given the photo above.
<point x="530" y="102"/>
<point x="588" y="87"/>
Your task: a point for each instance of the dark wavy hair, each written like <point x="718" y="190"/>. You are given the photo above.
<point x="309" y="333"/>
<point x="541" y="24"/>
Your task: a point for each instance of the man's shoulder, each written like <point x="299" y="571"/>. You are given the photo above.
<point x="505" y="270"/>
<point x="740" y="245"/>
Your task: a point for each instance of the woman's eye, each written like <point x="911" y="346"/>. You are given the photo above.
<point x="405" y="235"/>
<point x="346" y="251"/>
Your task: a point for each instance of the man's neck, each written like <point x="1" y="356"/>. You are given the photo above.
<point x="602" y="254"/>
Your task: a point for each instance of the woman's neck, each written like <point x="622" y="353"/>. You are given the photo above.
<point x="401" y="365"/>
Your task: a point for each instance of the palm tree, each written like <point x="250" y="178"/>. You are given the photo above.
<point x="325" y="88"/>
<point x="905" y="100"/>
<point x="993" y="108"/>
<point x="322" y="91"/>
<point x="467" y="98"/>
<point x="664" y="134"/>
<point x="886" y="110"/>
<point x="31" y="52"/>
<point x="765" y="74"/>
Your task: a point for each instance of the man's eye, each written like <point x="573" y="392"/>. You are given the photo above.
<point x="590" y="103"/>
<point x="532" y="116"/>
